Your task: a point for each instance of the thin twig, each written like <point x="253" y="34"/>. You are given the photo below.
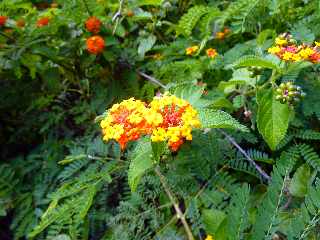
<point x="152" y="79"/>
<point x="117" y="16"/>
<point x="180" y="215"/>
<point x="234" y="143"/>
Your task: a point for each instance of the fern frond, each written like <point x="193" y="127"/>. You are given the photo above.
<point x="268" y="213"/>
<point x="238" y="213"/>
<point x="189" y="20"/>
<point x="310" y="156"/>
<point x="307" y="134"/>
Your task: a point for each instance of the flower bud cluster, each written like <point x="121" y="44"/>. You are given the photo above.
<point x="289" y="93"/>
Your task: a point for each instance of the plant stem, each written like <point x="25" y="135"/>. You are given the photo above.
<point x="234" y="143"/>
<point x="152" y="79"/>
<point x="180" y="215"/>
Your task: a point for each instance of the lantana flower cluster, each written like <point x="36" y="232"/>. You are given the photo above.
<point x="211" y="52"/>
<point x="287" y="49"/>
<point x="95" y="44"/>
<point x="166" y="119"/>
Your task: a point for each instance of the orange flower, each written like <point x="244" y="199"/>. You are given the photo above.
<point x="192" y="50"/>
<point x="93" y="25"/>
<point x="3" y="20"/>
<point x="43" y="22"/>
<point x="222" y="35"/>
<point x="95" y="44"/>
<point x="211" y="52"/>
<point x="20" y="23"/>
<point x="315" y="57"/>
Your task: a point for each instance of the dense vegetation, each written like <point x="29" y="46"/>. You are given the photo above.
<point x="243" y="75"/>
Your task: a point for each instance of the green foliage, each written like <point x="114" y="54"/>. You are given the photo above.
<point x="141" y="160"/>
<point x="218" y="119"/>
<point x="273" y="118"/>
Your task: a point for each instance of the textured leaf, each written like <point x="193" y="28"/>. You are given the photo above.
<point x="299" y="184"/>
<point x="141" y="161"/>
<point x="257" y="61"/>
<point x="219" y="119"/>
<point x="272" y="119"/>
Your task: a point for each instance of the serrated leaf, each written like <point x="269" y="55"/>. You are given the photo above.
<point x="219" y="119"/>
<point x="257" y="61"/>
<point x="141" y="161"/>
<point x="272" y="118"/>
<point x="299" y="183"/>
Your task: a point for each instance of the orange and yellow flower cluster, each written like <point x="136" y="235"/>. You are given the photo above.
<point x="166" y="118"/>
<point x="93" y="25"/>
<point x="211" y="52"/>
<point x="288" y="50"/>
<point x="95" y="44"/>
<point x="223" y="34"/>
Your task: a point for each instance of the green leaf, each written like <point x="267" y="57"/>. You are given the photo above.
<point x="299" y="183"/>
<point x="263" y="36"/>
<point x="218" y="119"/>
<point x="273" y="118"/>
<point x="212" y="219"/>
<point x="302" y="33"/>
<point x="141" y="161"/>
<point x="191" y="93"/>
<point x="146" y="44"/>
<point x="270" y="62"/>
<point x="158" y="148"/>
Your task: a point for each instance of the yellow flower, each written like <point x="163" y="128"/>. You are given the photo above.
<point x="296" y="57"/>
<point x="220" y="35"/>
<point x="287" y="56"/>
<point x="274" y="50"/>
<point x="281" y="41"/>
<point x="306" y="52"/>
<point x="192" y="50"/>
<point x="158" y="135"/>
<point x="209" y="237"/>
<point x="317" y="43"/>
<point x="153" y="118"/>
<point x="211" y="52"/>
